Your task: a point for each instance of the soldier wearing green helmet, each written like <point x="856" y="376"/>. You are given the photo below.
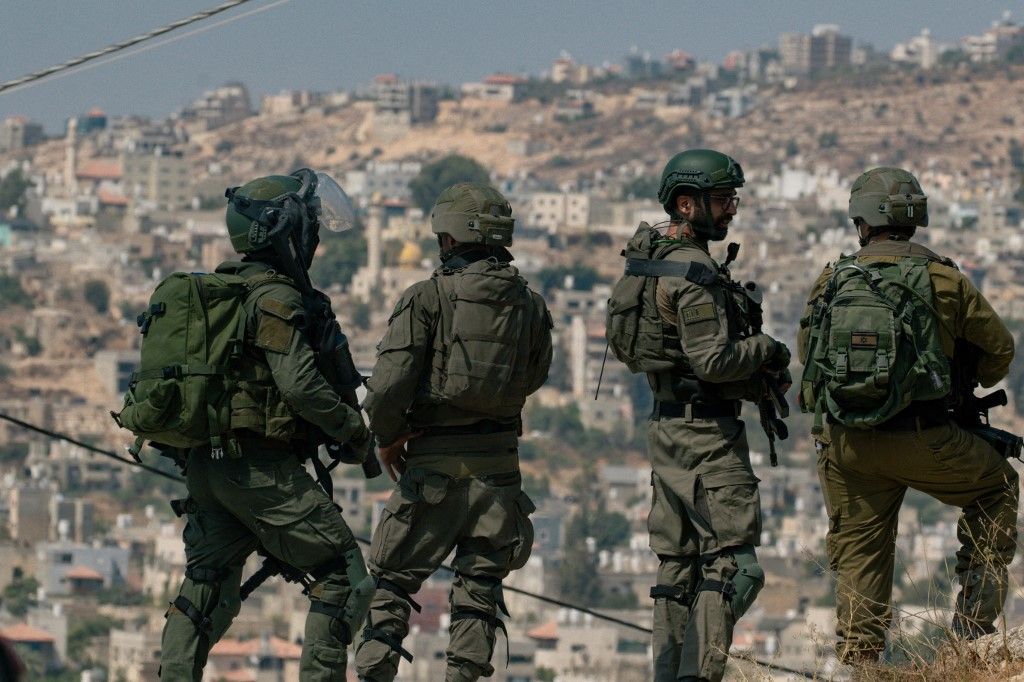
<point x="703" y="357"/>
<point x="462" y="352"/>
<point x="872" y="449"/>
<point x="256" y="493"/>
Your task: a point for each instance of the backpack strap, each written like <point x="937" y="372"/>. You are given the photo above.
<point x="692" y="271"/>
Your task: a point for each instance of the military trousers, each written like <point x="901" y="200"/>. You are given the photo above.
<point x="705" y="506"/>
<point x="864" y="477"/>
<point x="445" y="502"/>
<point x="265" y="498"/>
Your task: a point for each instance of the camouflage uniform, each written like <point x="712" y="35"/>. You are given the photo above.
<point x="706" y="517"/>
<point x="461" y="488"/>
<point x="265" y="497"/>
<point x="865" y="474"/>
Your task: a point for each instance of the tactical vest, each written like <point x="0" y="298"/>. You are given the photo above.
<point x="482" y="341"/>
<point x="639" y="336"/>
<point x="874" y="346"/>
<point x="198" y="378"/>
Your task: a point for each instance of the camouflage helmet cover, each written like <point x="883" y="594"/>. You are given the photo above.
<point x="702" y="169"/>
<point x="246" y="234"/>
<point x="473" y="213"/>
<point x="883" y="197"/>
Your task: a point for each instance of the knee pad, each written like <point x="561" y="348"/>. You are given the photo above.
<point x="747" y="582"/>
<point x="361" y="587"/>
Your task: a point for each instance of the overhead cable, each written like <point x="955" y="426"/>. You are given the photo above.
<point x="123" y="45"/>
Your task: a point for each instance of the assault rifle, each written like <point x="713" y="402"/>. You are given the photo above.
<point x="272" y="567"/>
<point x="333" y="357"/>
<point x="771" y="406"/>
<point x="969" y="411"/>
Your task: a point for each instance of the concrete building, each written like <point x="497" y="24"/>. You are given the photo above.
<point x="387" y="179"/>
<point x="29" y="514"/>
<point x="556" y="211"/>
<point x="216" y="108"/>
<point x="57" y="559"/>
<point x="995" y="43"/>
<point x="825" y="48"/>
<point x="402" y="102"/>
<point x="160" y="178"/>
<point x="18" y="132"/>
<point x="498" y="87"/>
<point x="134" y="655"/>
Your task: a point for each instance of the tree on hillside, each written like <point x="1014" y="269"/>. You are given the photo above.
<point x="97" y="294"/>
<point x="12" y="190"/>
<point x="338" y="258"/>
<point x="443" y="173"/>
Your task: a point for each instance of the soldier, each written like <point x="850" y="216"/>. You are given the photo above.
<point x="703" y="356"/>
<point x="874" y="443"/>
<point x="462" y="352"/>
<point x="260" y="495"/>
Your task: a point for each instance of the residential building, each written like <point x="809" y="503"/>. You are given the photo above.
<point x="18" y="132"/>
<point x="160" y="179"/>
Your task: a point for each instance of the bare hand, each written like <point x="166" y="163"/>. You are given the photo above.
<point x="393" y="456"/>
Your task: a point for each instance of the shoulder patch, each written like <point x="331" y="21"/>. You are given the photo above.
<point x="277" y="324"/>
<point x="279" y="309"/>
<point x="702" y="312"/>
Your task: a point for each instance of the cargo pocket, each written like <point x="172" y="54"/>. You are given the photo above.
<point x="249" y="472"/>
<point x="523" y="545"/>
<point x="300" y="531"/>
<point x="331" y="658"/>
<point x="665" y="520"/>
<point x="393" y="531"/>
<point x="733" y="507"/>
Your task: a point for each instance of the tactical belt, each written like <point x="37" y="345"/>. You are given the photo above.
<point x="469" y="444"/>
<point x="924" y="414"/>
<point x="670" y="409"/>
<point x="468" y="466"/>
<point x="481" y="427"/>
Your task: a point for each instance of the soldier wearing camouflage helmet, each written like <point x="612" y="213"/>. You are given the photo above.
<point x="707" y="356"/>
<point x="256" y="494"/>
<point x="462" y="352"/>
<point x="881" y="339"/>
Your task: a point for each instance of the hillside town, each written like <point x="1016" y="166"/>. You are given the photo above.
<point x="94" y="216"/>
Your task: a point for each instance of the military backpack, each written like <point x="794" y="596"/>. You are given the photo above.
<point x="192" y="339"/>
<point x="635" y="332"/>
<point x="874" y="345"/>
<point x="487" y="311"/>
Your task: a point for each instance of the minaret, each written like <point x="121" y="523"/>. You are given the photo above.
<point x="374" y="226"/>
<point x="71" y="158"/>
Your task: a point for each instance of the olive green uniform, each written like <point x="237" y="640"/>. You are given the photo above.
<point x="865" y="474"/>
<point x="705" y="518"/>
<point x="265" y="496"/>
<point x="461" y="488"/>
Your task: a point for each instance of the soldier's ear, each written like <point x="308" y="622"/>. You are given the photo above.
<point x="684" y="205"/>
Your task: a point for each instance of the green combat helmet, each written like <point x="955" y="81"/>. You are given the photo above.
<point x="269" y="209"/>
<point x="884" y="197"/>
<point x="701" y="169"/>
<point x="473" y="213"/>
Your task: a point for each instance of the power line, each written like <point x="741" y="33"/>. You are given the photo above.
<point x="118" y="47"/>
<point x="533" y="595"/>
<point x="91" y="448"/>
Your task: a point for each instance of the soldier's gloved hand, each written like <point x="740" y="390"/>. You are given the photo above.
<point x="779" y="359"/>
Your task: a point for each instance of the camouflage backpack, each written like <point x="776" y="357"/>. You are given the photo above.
<point x="636" y="334"/>
<point x="486" y="314"/>
<point x="192" y="336"/>
<point x="874" y="345"/>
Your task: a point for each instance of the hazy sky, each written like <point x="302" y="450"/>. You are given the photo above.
<point x="328" y="44"/>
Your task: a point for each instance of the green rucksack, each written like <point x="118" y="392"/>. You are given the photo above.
<point x="874" y="345"/>
<point x="635" y="332"/>
<point x="192" y="336"/>
<point x="486" y="314"/>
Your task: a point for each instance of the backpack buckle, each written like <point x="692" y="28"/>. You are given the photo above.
<point x="172" y="372"/>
